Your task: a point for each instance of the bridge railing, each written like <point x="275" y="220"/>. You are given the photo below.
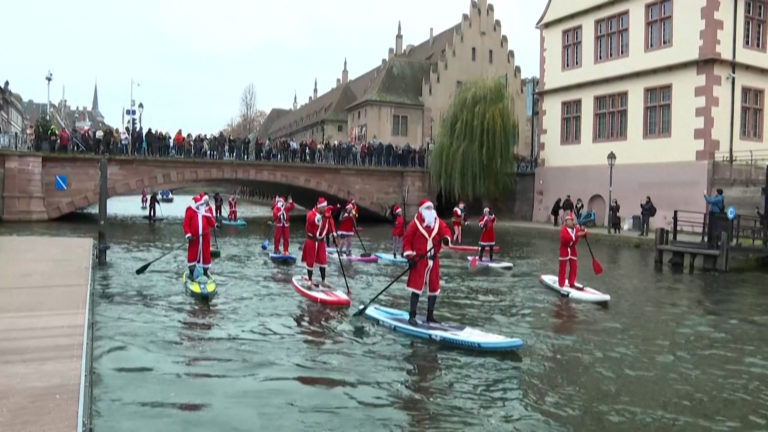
<point x="743" y="157"/>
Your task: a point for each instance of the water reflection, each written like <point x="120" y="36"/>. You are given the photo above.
<point x="423" y="366"/>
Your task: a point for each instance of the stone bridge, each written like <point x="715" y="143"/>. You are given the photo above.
<point x="29" y="182"/>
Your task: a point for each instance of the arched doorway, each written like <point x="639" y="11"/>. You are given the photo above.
<point x="597" y="204"/>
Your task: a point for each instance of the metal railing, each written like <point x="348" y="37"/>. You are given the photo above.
<point x="740" y="228"/>
<point x="697" y="221"/>
<point x="743" y="157"/>
<point x="13" y="141"/>
<point x="749" y="228"/>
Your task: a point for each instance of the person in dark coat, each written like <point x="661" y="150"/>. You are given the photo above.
<point x="647" y="211"/>
<point x="579" y="208"/>
<point x="555" y="212"/>
<point x="567" y="204"/>
<point x="613" y="216"/>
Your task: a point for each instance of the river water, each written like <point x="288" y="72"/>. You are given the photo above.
<point x="672" y="352"/>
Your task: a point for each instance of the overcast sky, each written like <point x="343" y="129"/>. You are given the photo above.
<point x="192" y="59"/>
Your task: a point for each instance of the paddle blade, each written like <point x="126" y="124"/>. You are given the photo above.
<point x="265" y="245"/>
<point x="596" y="266"/>
<point x="143" y="268"/>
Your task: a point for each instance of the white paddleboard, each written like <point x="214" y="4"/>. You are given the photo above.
<point x="501" y="265"/>
<point x="580" y="293"/>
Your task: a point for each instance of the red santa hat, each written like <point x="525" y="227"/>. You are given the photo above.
<point x="569" y="215"/>
<point x="397" y="209"/>
<point x="424" y="203"/>
<point x="321" y="202"/>
<point x="197" y="201"/>
<point x="461" y="203"/>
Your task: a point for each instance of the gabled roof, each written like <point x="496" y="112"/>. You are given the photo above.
<point x="400" y="82"/>
<point x="431" y="52"/>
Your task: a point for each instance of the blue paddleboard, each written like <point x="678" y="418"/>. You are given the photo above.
<point x="455" y="335"/>
<point x="239" y="222"/>
<point x="280" y="258"/>
<point x="387" y="257"/>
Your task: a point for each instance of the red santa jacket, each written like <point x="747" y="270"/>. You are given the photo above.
<point x="319" y="224"/>
<point x="232" y="203"/>
<point x="488" y="235"/>
<point x="198" y="222"/>
<point x="568" y="240"/>
<point x="348" y="220"/>
<point x="419" y="238"/>
<point x="280" y="215"/>
<point x="399" y="229"/>
<point x="458" y="216"/>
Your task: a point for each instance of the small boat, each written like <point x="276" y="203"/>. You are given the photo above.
<point x="580" y="292"/>
<point x="388" y="258"/>
<point x="166" y="196"/>
<point x="319" y="294"/>
<point x="239" y="222"/>
<point x="202" y="288"/>
<point x="455" y="335"/>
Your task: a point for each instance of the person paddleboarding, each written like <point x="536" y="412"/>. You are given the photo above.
<point x="153" y="203"/>
<point x="347" y="221"/>
<point x="488" y="236"/>
<point x="424" y="237"/>
<point x="144" y="198"/>
<point x="198" y="221"/>
<point x="398" y="231"/>
<point x="218" y="202"/>
<point x="280" y="219"/>
<point x="232" y="216"/>
<point x="459" y="219"/>
<point x="314" y="254"/>
<point x="568" y="256"/>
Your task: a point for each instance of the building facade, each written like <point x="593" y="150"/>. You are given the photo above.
<point x="12" y="117"/>
<point x="661" y="84"/>
<point x="403" y="100"/>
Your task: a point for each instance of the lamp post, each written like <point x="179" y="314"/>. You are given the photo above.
<point x="49" y="78"/>
<point x="141" y="110"/>
<point x="611" y="163"/>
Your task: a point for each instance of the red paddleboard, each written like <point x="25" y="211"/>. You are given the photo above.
<point x="319" y="294"/>
<point x="460" y="248"/>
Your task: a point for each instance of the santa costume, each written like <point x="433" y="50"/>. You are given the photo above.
<point x="232" y="216"/>
<point x="144" y="197"/>
<point x="425" y="232"/>
<point x="488" y="236"/>
<point x="319" y="224"/>
<point x="398" y="231"/>
<point x="280" y="215"/>
<point x="458" y="219"/>
<point x="569" y="237"/>
<point x="198" y="221"/>
<point x="347" y="224"/>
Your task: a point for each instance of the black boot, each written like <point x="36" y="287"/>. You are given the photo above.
<point x="431" y="300"/>
<point x="309" y="276"/>
<point x="490" y="253"/>
<point x="480" y="256"/>
<point x="322" y="275"/>
<point x="412" y="314"/>
<point x="192" y="272"/>
<point x="205" y="273"/>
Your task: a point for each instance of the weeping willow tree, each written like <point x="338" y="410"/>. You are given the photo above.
<point x="475" y="147"/>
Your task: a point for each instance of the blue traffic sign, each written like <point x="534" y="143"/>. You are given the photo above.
<point x="61" y="182"/>
<point x="731" y="212"/>
<point x="130" y="112"/>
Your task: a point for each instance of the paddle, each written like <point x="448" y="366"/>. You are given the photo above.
<point x="144" y="268"/>
<point x="265" y="245"/>
<point x="596" y="267"/>
<point x="161" y="210"/>
<point x="362" y="309"/>
<point x="338" y="255"/>
<point x="365" y="253"/>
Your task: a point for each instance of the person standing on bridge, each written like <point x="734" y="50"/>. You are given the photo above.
<point x="319" y="225"/>
<point x="198" y="221"/>
<point x="232" y="216"/>
<point x="153" y="203"/>
<point x="218" y="202"/>
<point x="459" y="219"/>
<point x="280" y="219"/>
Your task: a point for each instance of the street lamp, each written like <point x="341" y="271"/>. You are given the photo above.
<point x="49" y="78"/>
<point x="141" y="110"/>
<point x="611" y="163"/>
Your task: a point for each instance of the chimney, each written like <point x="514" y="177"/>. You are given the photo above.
<point x="398" y="40"/>
<point x="344" y="73"/>
<point x="314" y="93"/>
<point x="431" y="36"/>
<point x="310" y="99"/>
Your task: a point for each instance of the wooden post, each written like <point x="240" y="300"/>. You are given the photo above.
<point x="674" y="226"/>
<point x="103" y="189"/>
<point x="658" y="241"/>
<point x="692" y="262"/>
<point x="722" y="259"/>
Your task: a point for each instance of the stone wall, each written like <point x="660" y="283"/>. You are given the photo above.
<point x="742" y="185"/>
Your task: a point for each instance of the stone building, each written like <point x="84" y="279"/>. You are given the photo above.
<point x="661" y="84"/>
<point x="12" y="116"/>
<point x="402" y="100"/>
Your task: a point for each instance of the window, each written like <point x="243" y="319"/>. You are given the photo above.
<point x="612" y="37"/>
<point x="473" y="53"/>
<point x="752" y="113"/>
<point x="611" y="117"/>
<point x="490" y="56"/>
<point x="571" y="129"/>
<point x="572" y="48"/>
<point x="755" y="22"/>
<point x="658" y="112"/>
<point x="339" y="128"/>
<point x="399" y="125"/>
<point x="658" y="24"/>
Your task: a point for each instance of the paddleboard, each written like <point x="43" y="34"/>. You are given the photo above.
<point x="357" y="258"/>
<point x="239" y="222"/>
<point x="319" y="294"/>
<point x="283" y="259"/>
<point x="143" y="207"/>
<point x="461" y="248"/>
<point x="585" y="294"/>
<point x="157" y="219"/>
<point x="501" y="265"/>
<point x="385" y="257"/>
<point x="455" y="335"/>
<point x="203" y="288"/>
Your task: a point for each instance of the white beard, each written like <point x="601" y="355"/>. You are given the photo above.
<point x="429" y="217"/>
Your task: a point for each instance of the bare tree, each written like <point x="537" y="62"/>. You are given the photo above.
<point x="248" y="112"/>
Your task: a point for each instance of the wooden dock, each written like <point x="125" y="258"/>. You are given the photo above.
<point x="45" y="285"/>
